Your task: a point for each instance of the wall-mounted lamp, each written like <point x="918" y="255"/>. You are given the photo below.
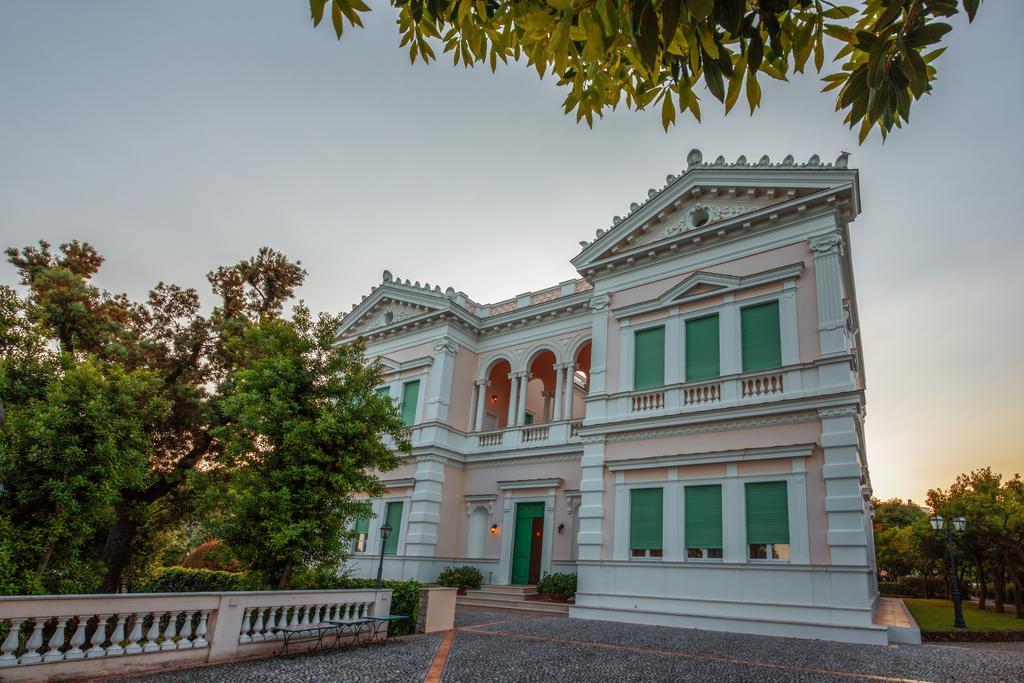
<point x="561" y="528"/>
<point x="494" y="528"/>
<point x="494" y="398"/>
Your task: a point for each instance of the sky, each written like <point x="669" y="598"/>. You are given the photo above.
<point x="180" y="136"/>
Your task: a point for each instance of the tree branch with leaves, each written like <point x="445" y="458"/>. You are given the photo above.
<point x="647" y="53"/>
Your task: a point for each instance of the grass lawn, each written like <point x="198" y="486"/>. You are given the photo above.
<point x="937" y="615"/>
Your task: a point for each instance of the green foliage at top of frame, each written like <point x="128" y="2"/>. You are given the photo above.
<point x="647" y="53"/>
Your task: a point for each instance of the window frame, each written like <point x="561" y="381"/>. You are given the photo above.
<point x="694" y="316"/>
<point x="647" y="553"/>
<point x="768" y="479"/>
<point x="744" y="304"/>
<point x="689" y="483"/>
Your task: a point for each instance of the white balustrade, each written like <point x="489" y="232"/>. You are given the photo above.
<point x="763" y="385"/>
<point x="532" y="434"/>
<point x="648" y="401"/>
<point x="490" y="439"/>
<point x="574" y="428"/>
<point x="68" y="631"/>
<point x="702" y="394"/>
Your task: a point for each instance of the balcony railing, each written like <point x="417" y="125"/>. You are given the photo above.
<point x="722" y="392"/>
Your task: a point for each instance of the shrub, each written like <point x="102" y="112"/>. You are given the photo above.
<point x="561" y="586"/>
<point x="211" y="555"/>
<point x="465" y="577"/>
<point x="184" y="580"/>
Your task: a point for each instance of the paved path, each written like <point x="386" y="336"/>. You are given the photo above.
<point x="504" y="647"/>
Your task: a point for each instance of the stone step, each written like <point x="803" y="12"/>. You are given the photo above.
<point x="515" y="589"/>
<point x="498" y="596"/>
<point x="536" y="606"/>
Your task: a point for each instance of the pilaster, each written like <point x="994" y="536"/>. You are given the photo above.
<point x="828" y="284"/>
<point x="848" y="538"/>
<point x="592" y="510"/>
<point x="425" y="507"/>
<point x="440" y="392"/>
<point x="598" y="354"/>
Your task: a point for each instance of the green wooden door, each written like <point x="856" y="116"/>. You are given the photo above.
<point x="521" y="540"/>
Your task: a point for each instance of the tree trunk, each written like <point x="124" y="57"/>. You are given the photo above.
<point x="117" y="550"/>
<point x="286" y="576"/>
<point x="1018" y="598"/>
<point x="1000" y="587"/>
<point x="982" y="585"/>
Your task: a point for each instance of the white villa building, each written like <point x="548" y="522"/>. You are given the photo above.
<point x="681" y="426"/>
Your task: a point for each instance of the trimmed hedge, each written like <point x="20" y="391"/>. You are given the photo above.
<point x="465" y="577"/>
<point x="184" y="580"/>
<point x="561" y="586"/>
<point x="912" y="587"/>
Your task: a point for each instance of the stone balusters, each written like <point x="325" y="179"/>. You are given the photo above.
<point x="101" y="635"/>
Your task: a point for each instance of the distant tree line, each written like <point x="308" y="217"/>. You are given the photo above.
<point x="134" y="430"/>
<point x="989" y="552"/>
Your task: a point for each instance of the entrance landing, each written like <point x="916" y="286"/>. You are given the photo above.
<point x="513" y="598"/>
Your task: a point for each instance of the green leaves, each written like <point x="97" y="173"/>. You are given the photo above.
<point x="648" y="52"/>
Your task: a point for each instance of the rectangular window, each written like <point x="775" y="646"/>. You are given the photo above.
<point x="528" y="419"/>
<point x="649" y="358"/>
<point x="768" y="520"/>
<point x="410" y="396"/>
<point x="393" y="515"/>
<point x="362" y="528"/>
<point x="702" y="348"/>
<point x="703" y="506"/>
<point x="760" y="338"/>
<point x="645" y="521"/>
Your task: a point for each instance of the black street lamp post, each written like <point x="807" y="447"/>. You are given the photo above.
<point x="385" y="531"/>
<point x="959" y="523"/>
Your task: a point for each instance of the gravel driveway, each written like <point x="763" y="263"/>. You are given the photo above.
<point x="506" y="647"/>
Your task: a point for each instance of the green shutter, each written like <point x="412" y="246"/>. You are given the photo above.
<point x="762" y="345"/>
<point x="704" y="516"/>
<point x="362" y="525"/>
<point x="394" y="518"/>
<point x="702" y="348"/>
<point x="384" y="391"/>
<point x="649" y="358"/>
<point x="767" y="512"/>
<point x="528" y="419"/>
<point x="410" y="395"/>
<point x="645" y="512"/>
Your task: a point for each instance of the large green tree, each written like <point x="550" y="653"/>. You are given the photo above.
<point x="302" y="437"/>
<point x="658" y="52"/>
<point x="112" y="406"/>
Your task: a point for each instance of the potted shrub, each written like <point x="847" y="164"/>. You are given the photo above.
<point x="557" y="587"/>
<point x="463" y="578"/>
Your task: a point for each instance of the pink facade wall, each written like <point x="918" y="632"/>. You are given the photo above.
<point x="463" y="376"/>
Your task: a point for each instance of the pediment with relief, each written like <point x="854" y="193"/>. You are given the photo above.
<point x="384" y="314"/>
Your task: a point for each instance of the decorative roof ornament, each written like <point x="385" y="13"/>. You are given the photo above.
<point x="843" y="161"/>
<point x="584" y="244"/>
<point x="788" y="161"/>
<point x="616" y="220"/>
<point x="387" y="276"/>
<point x="815" y="160"/>
<point x="651" y="192"/>
<point x="599" y="233"/>
<point x="764" y="161"/>
<point x="720" y="161"/>
<point x="669" y="179"/>
<point x="694" y="158"/>
<point x="742" y="161"/>
<point x="633" y="207"/>
<point x="450" y="292"/>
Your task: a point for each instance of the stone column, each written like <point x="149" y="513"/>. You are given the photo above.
<point x="513" y="396"/>
<point x="425" y="507"/>
<point x="481" y="402"/>
<point x="549" y="396"/>
<point x="524" y="379"/>
<point x="570" y="389"/>
<point x="828" y="284"/>
<point x="559" y="400"/>
<point x="440" y="392"/>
